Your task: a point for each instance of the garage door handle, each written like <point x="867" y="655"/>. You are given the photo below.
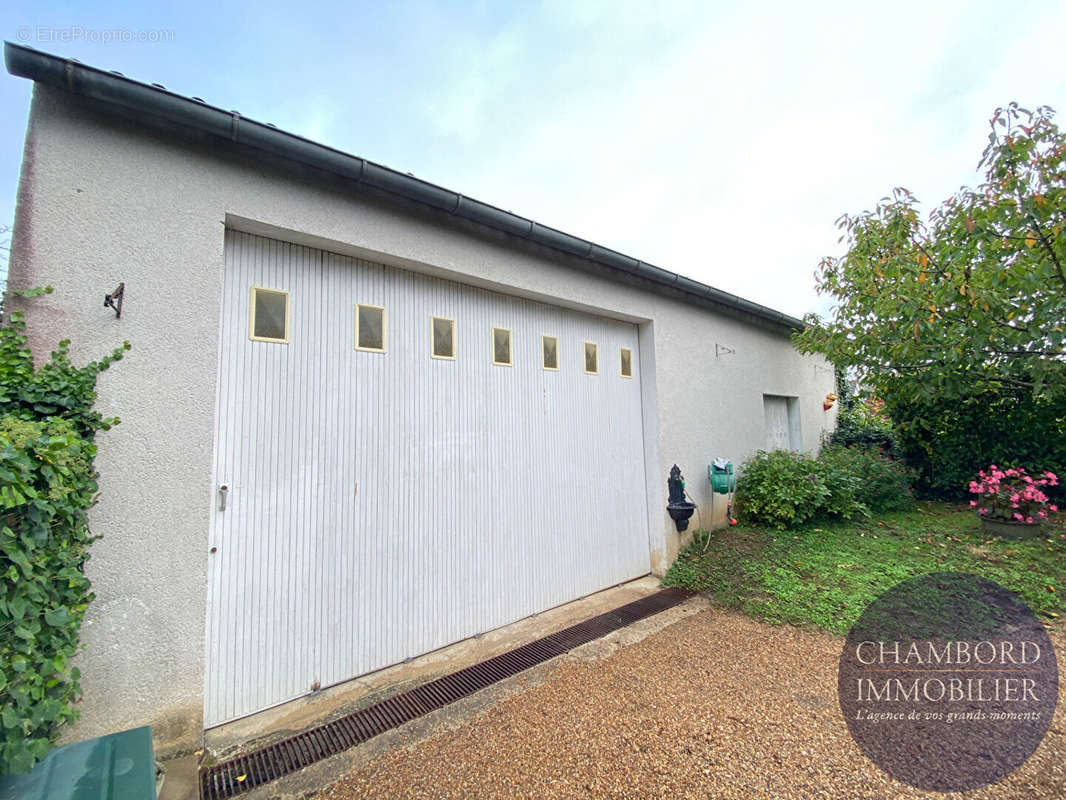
<point x="222" y="490"/>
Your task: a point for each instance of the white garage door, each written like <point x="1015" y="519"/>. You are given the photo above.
<point x="383" y="502"/>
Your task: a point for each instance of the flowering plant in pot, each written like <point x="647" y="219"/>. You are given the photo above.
<point x="1011" y="502"/>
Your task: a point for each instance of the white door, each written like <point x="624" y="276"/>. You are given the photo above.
<point x="775" y="410"/>
<point x="380" y="505"/>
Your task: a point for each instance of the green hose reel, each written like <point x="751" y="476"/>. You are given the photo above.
<point x="723" y="481"/>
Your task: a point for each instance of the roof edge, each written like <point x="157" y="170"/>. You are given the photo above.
<point x="134" y="96"/>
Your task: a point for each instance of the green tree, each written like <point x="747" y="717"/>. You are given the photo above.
<point x="972" y="300"/>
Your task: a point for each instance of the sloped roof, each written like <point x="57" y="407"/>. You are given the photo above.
<point x="135" y="99"/>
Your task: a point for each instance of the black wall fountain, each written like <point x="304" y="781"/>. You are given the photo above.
<point x="678" y="507"/>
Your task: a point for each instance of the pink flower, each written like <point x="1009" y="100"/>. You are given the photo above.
<point x="1012" y="493"/>
<point x="1029" y="520"/>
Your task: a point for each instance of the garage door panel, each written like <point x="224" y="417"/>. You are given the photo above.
<point x="384" y="505"/>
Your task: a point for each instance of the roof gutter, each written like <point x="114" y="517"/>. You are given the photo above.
<point x="142" y="99"/>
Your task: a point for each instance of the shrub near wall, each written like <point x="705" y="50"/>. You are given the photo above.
<point x="47" y="485"/>
<point x="784" y="489"/>
<point x="780" y="488"/>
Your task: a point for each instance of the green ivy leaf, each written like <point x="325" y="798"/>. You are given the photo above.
<point x="10" y="718"/>
<point x="57" y="618"/>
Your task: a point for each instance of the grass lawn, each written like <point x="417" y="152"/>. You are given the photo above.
<point x="825" y="574"/>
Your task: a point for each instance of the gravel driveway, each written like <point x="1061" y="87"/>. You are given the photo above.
<point x="716" y="705"/>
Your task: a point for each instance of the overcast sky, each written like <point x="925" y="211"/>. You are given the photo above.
<point x="718" y="140"/>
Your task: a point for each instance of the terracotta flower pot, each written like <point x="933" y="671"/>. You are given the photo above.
<point x="1011" y="529"/>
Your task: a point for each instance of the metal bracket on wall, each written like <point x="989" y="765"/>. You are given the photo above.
<point x="721" y="349"/>
<point x="114" y="300"/>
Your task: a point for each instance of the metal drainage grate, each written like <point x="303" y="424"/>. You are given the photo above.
<point x="270" y="763"/>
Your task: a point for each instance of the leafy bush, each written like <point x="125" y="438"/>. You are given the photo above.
<point x="881" y="482"/>
<point x="47" y="485"/>
<point x="780" y="488"/>
<point x="785" y="489"/>
<point x="837" y="469"/>
<point x="947" y="442"/>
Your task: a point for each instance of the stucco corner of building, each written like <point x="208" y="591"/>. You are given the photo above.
<point x="665" y="553"/>
<point x="20" y="267"/>
<point x="659" y="563"/>
<point x="178" y="730"/>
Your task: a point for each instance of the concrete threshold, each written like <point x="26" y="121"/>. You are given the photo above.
<point x="280" y="722"/>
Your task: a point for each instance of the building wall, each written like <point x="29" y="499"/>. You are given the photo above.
<point x="101" y="201"/>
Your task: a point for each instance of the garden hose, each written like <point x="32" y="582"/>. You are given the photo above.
<point x="699" y="519"/>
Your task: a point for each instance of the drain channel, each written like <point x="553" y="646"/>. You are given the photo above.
<point x="253" y="769"/>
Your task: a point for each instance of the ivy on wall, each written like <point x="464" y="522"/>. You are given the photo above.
<point x="47" y="486"/>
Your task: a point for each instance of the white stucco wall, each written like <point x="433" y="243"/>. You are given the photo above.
<point x="102" y="202"/>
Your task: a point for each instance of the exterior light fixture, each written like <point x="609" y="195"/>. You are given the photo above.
<point x="114" y="300"/>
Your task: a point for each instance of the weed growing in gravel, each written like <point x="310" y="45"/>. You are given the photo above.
<point x="825" y="575"/>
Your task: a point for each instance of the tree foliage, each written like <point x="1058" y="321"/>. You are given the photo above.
<point x="47" y="485"/>
<point x="946" y="440"/>
<point x="971" y="300"/>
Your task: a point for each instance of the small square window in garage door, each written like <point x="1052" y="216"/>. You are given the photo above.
<point x="549" y="350"/>
<point x="626" y="362"/>
<point x="501" y="347"/>
<point x="442" y="337"/>
<point x="591" y="358"/>
<point x="370" y="328"/>
<point x="269" y="318"/>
